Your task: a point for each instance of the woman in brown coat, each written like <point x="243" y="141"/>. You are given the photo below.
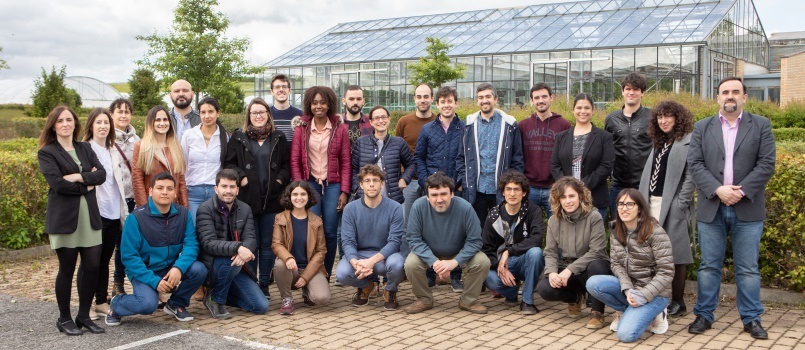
<point x="158" y="151"/>
<point x="300" y="247"/>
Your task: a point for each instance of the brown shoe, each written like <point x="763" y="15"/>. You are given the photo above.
<point x="361" y="296"/>
<point x="596" y="320"/>
<point x="574" y="309"/>
<point x="418" y="306"/>
<point x="390" y="300"/>
<point x="476" y="308"/>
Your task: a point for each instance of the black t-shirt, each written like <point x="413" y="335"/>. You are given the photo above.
<point x="354" y="129"/>
<point x="282" y="120"/>
<point x="299" y="246"/>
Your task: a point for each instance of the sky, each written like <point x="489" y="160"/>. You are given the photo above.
<point x="96" y="38"/>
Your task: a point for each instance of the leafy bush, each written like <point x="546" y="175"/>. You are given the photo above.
<point x="50" y="91"/>
<point x="789" y="134"/>
<point x="23" y="197"/>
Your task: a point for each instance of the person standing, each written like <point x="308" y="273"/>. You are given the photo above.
<point x="204" y="149"/>
<point x="668" y="185"/>
<point x="731" y="157"/>
<point x="72" y="220"/>
<point x="628" y="127"/>
<point x="182" y="113"/>
<point x="539" y="133"/>
<point x="158" y="151"/>
<point x="282" y="110"/>
<point x="125" y="138"/>
<point x="408" y="127"/>
<point x="358" y="124"/>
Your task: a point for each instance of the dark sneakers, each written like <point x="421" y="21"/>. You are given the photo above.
<point x="700" y="325"/>
<point x="457" y="286"/>
<point x="755" y="329"/>
<point x="528" y="309"/>
<point x="180" y="312"/>
<point x="113" y="319"/>
<point x="390" y="300"/>
<point x="216" y="310"/>
<point x="264" y="289"/>
<point x="361" y="296"/>
<point x="677" y="308"/>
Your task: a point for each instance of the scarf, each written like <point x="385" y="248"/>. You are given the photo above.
<point x="258" y="133"/>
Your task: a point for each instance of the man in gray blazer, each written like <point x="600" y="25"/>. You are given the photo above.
<point x="731" y="157"/>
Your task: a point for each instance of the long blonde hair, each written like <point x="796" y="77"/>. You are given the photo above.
<point x="149" y="146"/>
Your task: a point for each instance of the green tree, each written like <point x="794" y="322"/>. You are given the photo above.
<point x="49" y="92"/>
<point x="230" y="96"/>
<point x="145" y="90"/>
<point x="3" y="64"/>
<point x="196" y="49"/>
<point x="436" y="68"/>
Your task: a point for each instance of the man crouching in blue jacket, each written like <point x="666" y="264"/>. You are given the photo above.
<point x="159" y="249"/>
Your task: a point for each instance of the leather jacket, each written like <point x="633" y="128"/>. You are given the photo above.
<point x="632" y="145"/>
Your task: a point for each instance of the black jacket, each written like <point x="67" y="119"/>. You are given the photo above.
<point x="596" y="162"/>
<point x="218" y="236"/>
<point x="395" y="153"/>
<point x="64" y="196"/>
<point x="632" y="145"/>
<point x="240" y="158"/>
<point x="528" y="230"/>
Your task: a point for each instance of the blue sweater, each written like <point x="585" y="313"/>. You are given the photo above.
<point x="376" y="229"/>
<point x="437" y="150"/>
<point x="151" y="242"/>
<point x="456" y="233"/>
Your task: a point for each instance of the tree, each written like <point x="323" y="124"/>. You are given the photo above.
<point x="197" y="50"/>
<point x="145" y="91"/>
<point x="49" y="92"/>
<point x="3" y="64"/>
<point x="436" y="68"/>
<point x="230" y="96"/>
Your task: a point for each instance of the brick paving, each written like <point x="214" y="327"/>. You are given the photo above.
<point x="342" y="326"/>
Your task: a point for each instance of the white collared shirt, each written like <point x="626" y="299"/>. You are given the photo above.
<point x="107" y="193"/>
<point x="203" y="161"/>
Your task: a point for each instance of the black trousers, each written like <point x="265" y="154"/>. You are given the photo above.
<point x="576" y="286"/>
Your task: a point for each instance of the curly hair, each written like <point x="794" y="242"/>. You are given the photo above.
<point x="635" y="80"/>
<point x="312" y="197"/>
<point x="515" y="177"/>
<point x="558" y="190"/>
<point x="683" y="124"/>
<point x="326" y="93"/>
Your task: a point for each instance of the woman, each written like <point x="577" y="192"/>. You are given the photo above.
<point x="585" y="152"/>
<point x="125" y="138"/>
<point x="300" y="247"/>
<point x="669" y="186"/>
<point x="575" y="249"/>
<point x="110" y="196"/>
<point x="260" y="154"/>
<point x="204" y="149"/>
<point x="390" y="153"/>
<point x="158" y="151"/>
<point x="321" y="155"/>
<point x="643" y="267"/>
<point x="72" y="220"/>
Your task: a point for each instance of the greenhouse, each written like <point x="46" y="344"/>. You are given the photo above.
<point x="684" y="46"/>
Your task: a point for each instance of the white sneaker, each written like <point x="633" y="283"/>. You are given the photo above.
<point x="616" y="319"/>
<point x="660" y="323"/>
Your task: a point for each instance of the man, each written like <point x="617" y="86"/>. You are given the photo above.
<point x="184" y="117"/>
<point x="408" y="127"/>
<point x="731" y="157"/>
<point x="444" y="233"/>
<point x="512" y="240"/>
<point x="357" y="123"/>
<point x="228" y="241"/>
<point x="371" y="232"/>
<point x="491" y="143"/>
<point x="436" y="150"/>
<point x="282" y="111"/>
<point x="628" y="127"/>
<point x="539" y="132"/>
<point x="159" y="249"/>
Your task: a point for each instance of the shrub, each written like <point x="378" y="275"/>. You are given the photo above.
<point x="50" y="91"/>
<point x="23" y="198"/>
<point x="789" y="134"/>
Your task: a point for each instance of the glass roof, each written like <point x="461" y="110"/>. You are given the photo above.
<point x="566" y="26"/>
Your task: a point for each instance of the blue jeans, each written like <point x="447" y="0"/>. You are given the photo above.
<point x="198" y="194"/>
<point x="526" y="268"/>
<point x="541" y="197"/>
<point x="392" y="268"/>
<point x="145" y="299"/>
<point x="264" y="256"/>
<point x="326" y="209"/>
<point x="603" y="212"/>
<point x="233" y="286"/>
<point x="745" y="251"/>
<point x="635" y="319"/>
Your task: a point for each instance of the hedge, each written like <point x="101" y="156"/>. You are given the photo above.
<point x="23" y="197"/>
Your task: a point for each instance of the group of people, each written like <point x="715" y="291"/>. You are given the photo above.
<point x="489" y="202"/>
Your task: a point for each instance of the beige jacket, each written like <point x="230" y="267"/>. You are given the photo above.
<point x="574" y="242"/>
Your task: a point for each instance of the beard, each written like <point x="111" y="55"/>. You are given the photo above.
<point x="181" y="105"/>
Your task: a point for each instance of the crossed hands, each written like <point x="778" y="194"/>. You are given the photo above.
<point x="443" y="268"/>
<point x="171" y="280"/>
<point x="503" y="271"/>
<point x="243" y="256"/>
<point x="729" y="194"/>
<point x="559" y="280"/>
<point x="363" y="267"/>
<point x="291" y="265"/>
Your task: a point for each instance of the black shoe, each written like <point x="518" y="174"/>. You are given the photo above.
<point x="699" y="325"/>
<point x="528" y="309"/>
<point x="68" y="327"/>
<point x="756" y="330"/>
<point x="677" y="308"/>
<point x="91" y="326"/>
<point x="431" y="281"/>
<point x="264" y="289"/>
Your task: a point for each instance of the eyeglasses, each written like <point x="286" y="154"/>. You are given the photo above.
<point x="369" y="181"/>
<point x="382" y="117"/>
<point x="628" y="205"/>
<point x="261" y="113"/>
<point x="282" y="87"/>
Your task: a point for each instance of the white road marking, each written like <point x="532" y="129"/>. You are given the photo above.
<point x="150" y="340"/>
<point x="255" y="345"/>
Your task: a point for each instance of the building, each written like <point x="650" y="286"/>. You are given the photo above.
<point x="93" y="92"/>
<point x="685" y="46"/>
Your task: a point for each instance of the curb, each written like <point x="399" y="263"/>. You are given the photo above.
<point x="41" y="251"/>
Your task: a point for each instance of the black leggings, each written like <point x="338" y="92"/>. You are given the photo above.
<point x="678" y="283"/>
<point x="576" y="285"/>
<point x="90" y="259"/>
<point x="111" y="236"/>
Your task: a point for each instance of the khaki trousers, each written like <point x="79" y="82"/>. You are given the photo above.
<point x="317" y="289"/>
<point x="475" y="271"/>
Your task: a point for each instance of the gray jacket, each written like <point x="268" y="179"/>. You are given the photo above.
<point x="677" y="194"/>
<point x="647" y="267"/>
<point x="754" y="158"/>
<point x="574" y="243"/>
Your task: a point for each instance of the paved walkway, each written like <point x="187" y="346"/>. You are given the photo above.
<point x="341" y="326"/>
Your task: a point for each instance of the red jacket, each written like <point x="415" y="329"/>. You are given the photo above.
<point x="339" y="160"/>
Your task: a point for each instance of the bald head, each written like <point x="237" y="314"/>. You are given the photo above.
<point x="181" y="94"/>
